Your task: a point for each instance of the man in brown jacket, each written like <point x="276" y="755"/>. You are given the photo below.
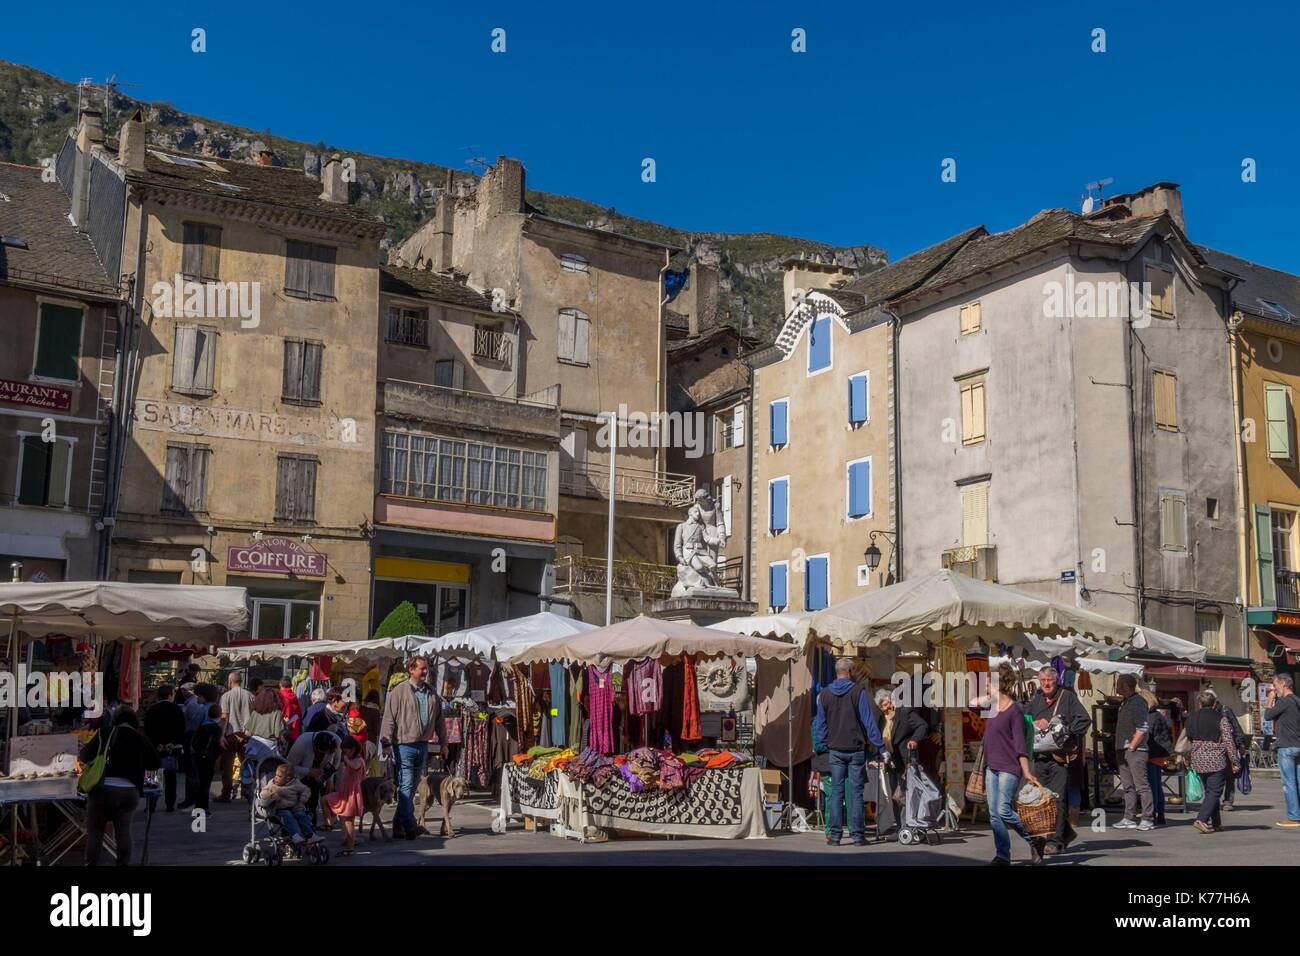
<point x="412" y="714"/>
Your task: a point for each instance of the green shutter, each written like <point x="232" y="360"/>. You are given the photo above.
<point x="1278" y="410"/>
<point x="35" y="477"/>
<point x="60" y="458"/>
<point x="1264" y="555"/>
<point x="59" y="342"/>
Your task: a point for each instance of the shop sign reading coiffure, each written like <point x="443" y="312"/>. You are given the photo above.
<point x="277" y="556"/>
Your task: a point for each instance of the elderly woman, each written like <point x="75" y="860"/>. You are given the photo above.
<point x="1214" y="754"/>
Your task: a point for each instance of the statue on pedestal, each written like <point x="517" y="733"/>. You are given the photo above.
<point x="697" y="546"/>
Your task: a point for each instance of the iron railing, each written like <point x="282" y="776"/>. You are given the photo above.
<point x="654" y="582"/>
<point x="586" y="480"/>
<point x="978" y="561"/>
<point x="1287" y="597"/>
<point x="494" y="345"/>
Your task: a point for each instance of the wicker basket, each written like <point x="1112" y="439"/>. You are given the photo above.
<point x="1039" y="818"/>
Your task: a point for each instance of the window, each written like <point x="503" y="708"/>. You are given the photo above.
<point x="1166" y="400"/>
<point x="44" y="471"/>
<point x="859" y="488"/>
<point x="1279" y="310"/>
<point x="493" y="344"/>
<point x="778" y="413"/>
<point x="309" y="270"/>
<point x="301" y="382"/>
<point x="1160" y="280"/>
<point x="974" y="515"/>
<point x="722" y="498"/>
<point x="449" y="373"/>
<point x="571" y="262"/>
<point x="1267" y="553"/>
<point x="731" y="427"/>
<point x="819" y="345"/>
<point x="280" y="620"/>
<point x="408" y="326"/>
<point x="201" y="256"/>
<point x="185" y="490"/>
<point x="1212" y="508"/>
<point x="816" y="583"/>
<point x="969" y="317"/>
<point x="1209" y="631"/>
<point x="194" y="360"/>
<point x="778" y="505"/>
<point x="1277" y="409"/>
<point x="449" y="469"/>
<point x="778" y="575"/>
<point x="575" y="331"/>
<point x="58" y="342"/>
<point x="858" y="399"/>
<point x="972" y="412"/>
<point x="1173" y="521"/>
<point x="295" y="487"/>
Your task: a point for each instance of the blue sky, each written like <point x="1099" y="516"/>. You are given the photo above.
<point x="843" y="143"/>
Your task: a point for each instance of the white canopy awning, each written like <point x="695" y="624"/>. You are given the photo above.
<point x="1092" y="665"/>
<point x="386" y="648"/>
<point x="505" y="638"/>
<point x="777" y="626"/>
<point x="182" y="613"/>
<point x="1145" y="638"/>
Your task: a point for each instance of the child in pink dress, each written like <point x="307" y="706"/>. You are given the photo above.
<point x="345" y="803"/>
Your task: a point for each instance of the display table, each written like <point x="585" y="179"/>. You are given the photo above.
<point x="19" y="798"/>
<point x="522" y="795"/>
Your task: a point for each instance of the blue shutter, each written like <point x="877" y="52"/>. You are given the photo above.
<point x="778" y="506"/>
<point x="779" y="411"/>
<point x="859" y="489"/>
<point x="857" y="399"/>
<point x="814" y="596"/>
<point x="776" y="585"/>
<point x="819" y="345"/>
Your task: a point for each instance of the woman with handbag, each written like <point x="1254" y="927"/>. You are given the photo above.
<point x="1213" y="754"/>
<point x="1007" y="758"/>
<point x="113" y="781"/>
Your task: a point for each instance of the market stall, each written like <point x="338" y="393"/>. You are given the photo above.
<point x="602" y="780"/>
<point x="101" y="618"/>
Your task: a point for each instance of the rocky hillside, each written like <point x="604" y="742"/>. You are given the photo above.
<point x="36" y="111"/>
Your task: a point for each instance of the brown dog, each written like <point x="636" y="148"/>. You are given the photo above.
<point x="376" y="793"/>
<point x="447" y="790"/>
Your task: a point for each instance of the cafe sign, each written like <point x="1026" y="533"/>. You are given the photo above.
<point x="277" y="556"/>
<point x="36" y="395"/>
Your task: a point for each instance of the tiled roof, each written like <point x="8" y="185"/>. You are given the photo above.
<point x="902" y="276"/>
<point x="1261" y="284"/>
<point x="233" y="179"/>
<point x="433" y="286"/>
<point x="36" y="212"/>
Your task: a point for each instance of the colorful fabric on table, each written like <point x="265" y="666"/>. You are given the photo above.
<point x="600" y="707"/>
<point x="690" y="702"/>
<point x="645" y="687"/>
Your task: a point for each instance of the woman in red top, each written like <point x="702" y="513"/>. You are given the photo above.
<point x="290" y="709"/>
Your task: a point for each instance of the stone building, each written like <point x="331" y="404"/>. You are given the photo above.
<point x="248" y="459"/>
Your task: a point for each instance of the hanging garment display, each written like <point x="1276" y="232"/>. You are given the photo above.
<point x="321" y="667"/>
<point x="476" y="757"/>
<point x="369" y="683"/>
<point x="526" y="710"/>
<point x="558" y="676"/>
<point x="577" y="685"/>
<point x="477" y="674"/>
<point x="645" y="687"/>
<point x="600" y="707"/>
<point x="129" y="674"/>
<point x="452" y="683"/>
<point x="781" y="709"/>
<point x="690" y="701"/>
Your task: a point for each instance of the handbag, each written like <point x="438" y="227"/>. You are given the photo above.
<point x="1054" y="737"/>
<point x="975" y="791"/>
<point x="94" y="772"/>
<point x="1243" y="779"/>
<point x="1195" y="788"/>
<point x="1184" y="745"/>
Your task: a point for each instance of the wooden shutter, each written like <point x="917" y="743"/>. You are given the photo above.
<point x="297" y="267"/>
<point x="975" y="515"/>
<point x="322" y="271"/>
<point x="566" y="334"/>
<point x="176" y="478"/>
<point x="581" y="337"/>
<point x="780" y="430"/>
<point x="292" y="380"/>
<point x="859" y="489"/>
<point x="285" y="487"/>
<point x="311" y="362"/>
<point x="1166" y="389"/>
<point x="778" y="506"/>
<point x="972" y="413"/>
<point x="1162" y="290"/>
<point x="59" y="342"/>
<point x="183" y="358"/>
<point x="816" y="590"/>
<point x="211" y="262"/>
<point x="1173" y="522"/>
<point x="1264" y="555"/>
<point x="305" y="507"/>
<point x="738" y="427"/>
<point x="60" y="461"/>
<point x="196" y="492"/>
<point x="1277" y="408"/>
<point x="776" y="585"/>
<point x="726" y="505"/>
<point x="457" y="374"/>
<point x="34" y="480"/>
<point x="970" y="318"/>
<point x="205" y="359"/>
<point x="857" y="399"/>
<point x="192" y="252"/>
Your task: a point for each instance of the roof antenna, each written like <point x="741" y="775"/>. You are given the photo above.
<point x="1089" y="204"/>
<point x="479" y="164"/>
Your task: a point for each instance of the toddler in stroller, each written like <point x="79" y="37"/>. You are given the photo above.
<point x="281" y="804"/>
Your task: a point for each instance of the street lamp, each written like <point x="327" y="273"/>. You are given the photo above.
<point x="872" y="557"/>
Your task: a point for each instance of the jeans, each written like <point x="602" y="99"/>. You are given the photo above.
<point x="296" y="822"/>
<point x="105" y="805"/>
<point x="1155" y="779"/>
<point x="1135" y="784"/>
<point x="853" y="765"/>
<point x="1000" y="789"/>
<point x="1214" y="786"/>
<point x="1288" y="763"/>
<point x="411" y="759"/>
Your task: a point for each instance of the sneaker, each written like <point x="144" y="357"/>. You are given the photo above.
<point x="1226" y="806"/>
<point x="1146" y="825"/>
<point x="832" y="841"/>
<point x="1124" y="824"/>
<point x="1289" y="824"/>
<point x="1202" y="826"/>
<point x="999" y="861"/>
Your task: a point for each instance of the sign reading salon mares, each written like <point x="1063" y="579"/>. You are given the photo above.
<point x="208" y="421"/>
<point x="277" y="556"/>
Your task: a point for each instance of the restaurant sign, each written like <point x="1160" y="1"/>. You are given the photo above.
<point x="277" y="556"/>
<point x="36" y="395"/>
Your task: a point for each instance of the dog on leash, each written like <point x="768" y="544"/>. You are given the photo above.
<point x="446" y="790"/>
<point x="376" y="793"/>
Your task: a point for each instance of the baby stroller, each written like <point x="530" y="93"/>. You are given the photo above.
<point x="922" y="808"/>
<point x="275" y="844"/>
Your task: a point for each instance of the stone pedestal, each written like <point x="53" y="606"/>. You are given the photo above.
<point x="703" y="607"/>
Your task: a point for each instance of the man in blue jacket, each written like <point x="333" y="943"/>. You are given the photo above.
<point x="847" y="723"/>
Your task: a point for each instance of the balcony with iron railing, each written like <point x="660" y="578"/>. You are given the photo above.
<point x="578" y="574"/>
<point x="536" y="415"/>
<point x="1287" y="591"/>
<point x="978" y="561"/>
<point x="588" y="480"/>
<point x="494" y="345"/>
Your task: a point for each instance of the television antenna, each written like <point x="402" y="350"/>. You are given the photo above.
<point x="475" y="162"/>
<point x="1089" y="203"/>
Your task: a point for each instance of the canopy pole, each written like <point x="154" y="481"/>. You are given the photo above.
<point x="789" y="745"/>
<point x="609" y="540"/>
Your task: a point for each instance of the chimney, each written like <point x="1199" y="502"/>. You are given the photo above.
<point x="1152" y="200"/>
<point x="502" y="187"/>
<point x="130" y="145"/>
<point x="265" y="158"/>
<point x="331" y="177"/>
<point x="804" y="275"/>
<point x="90" y="134"/>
